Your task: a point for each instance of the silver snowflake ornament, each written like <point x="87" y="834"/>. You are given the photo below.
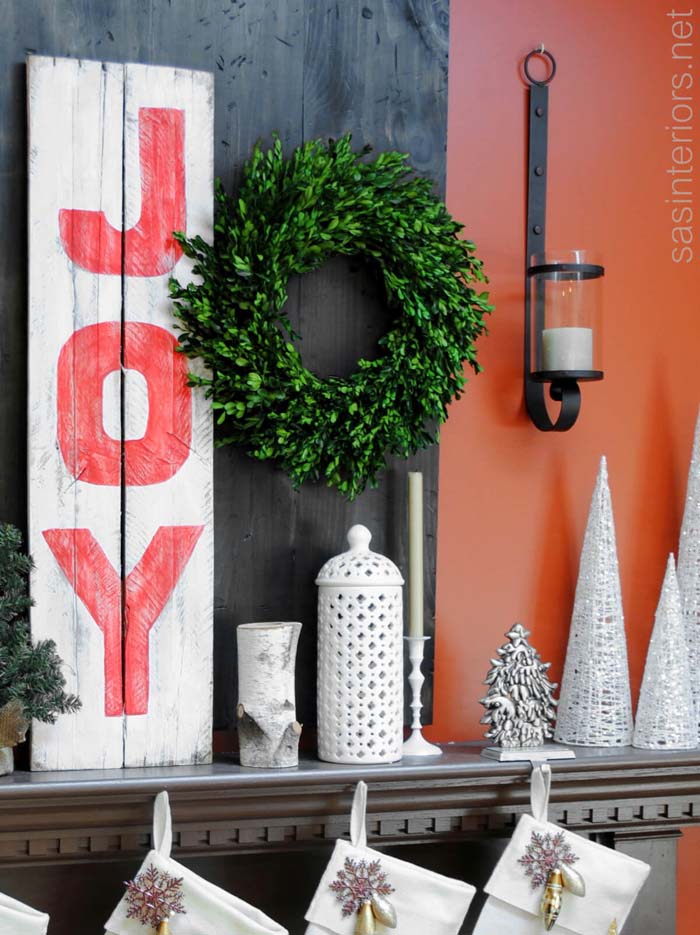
<point x="544" y="853"/>
<point x="358" y="882"/>
<point x="153" y="896"/>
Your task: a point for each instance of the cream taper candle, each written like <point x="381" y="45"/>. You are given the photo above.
<point x="415" y="553"/>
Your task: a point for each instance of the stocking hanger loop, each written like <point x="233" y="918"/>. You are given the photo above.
<point x="358" y="826"/>
<point x="162" y="825"/>
<point x="540" y="785"/>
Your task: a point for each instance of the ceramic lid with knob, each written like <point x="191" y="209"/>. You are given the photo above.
<point x="359" y="566"/>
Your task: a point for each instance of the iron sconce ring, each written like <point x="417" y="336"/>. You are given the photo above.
<point x="540" y="53"/>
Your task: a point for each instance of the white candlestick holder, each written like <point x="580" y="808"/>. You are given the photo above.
<point x="417" y="745"/>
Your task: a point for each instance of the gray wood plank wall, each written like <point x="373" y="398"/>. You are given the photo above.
<point x="304" y="68"/>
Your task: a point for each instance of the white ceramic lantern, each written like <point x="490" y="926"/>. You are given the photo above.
<point x="360" y="655"/>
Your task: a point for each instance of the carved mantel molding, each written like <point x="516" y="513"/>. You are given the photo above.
<point x="59" y="818"/>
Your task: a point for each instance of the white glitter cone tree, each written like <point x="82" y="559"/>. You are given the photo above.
<point x="689" y="570"/>
<point x="666" y="712"/>
<point x="595" y="705"/>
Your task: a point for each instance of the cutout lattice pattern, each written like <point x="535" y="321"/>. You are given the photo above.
<point x="360" y="656"/>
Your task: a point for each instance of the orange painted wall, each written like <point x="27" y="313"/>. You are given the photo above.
<point x="514" y="501"/>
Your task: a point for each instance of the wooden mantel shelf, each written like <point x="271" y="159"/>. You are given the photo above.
<point x="57" y="818"/>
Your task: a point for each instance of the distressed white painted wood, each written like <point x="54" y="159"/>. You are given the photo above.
<point x="75" y="146"/>
<point x="102" y="350"/>
<point x="178" y="726"/>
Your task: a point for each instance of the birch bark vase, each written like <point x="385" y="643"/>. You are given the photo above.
<point x="7" y="761"/>
<point x="268" y="731"/>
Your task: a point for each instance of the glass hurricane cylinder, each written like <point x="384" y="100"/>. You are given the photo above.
<point x="566" y="318"/>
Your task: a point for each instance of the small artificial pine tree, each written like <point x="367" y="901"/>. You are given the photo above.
<point x="520" y="707"/>
<point x="30" y="673"/>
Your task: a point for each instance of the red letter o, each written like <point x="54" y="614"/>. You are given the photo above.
<point x="90" y="454"/>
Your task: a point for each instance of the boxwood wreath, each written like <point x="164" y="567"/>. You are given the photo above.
<point x="289" y="217"/>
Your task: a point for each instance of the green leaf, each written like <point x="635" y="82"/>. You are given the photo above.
<point x="287" y="218"/>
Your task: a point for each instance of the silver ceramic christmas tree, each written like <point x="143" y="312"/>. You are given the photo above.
<point x="666" y="711"/>
<point x="520" y="704"/>
<point x="595" y="706"/>
<point x="689" y="570"/>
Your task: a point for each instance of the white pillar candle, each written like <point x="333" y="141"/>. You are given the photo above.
<point x="415" y="553"/>
<point x="567" y="349"/>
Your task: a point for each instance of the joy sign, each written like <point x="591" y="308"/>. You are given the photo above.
<point x="120" y="448"/>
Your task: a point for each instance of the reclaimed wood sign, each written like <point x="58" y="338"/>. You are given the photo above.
<point x="120" y="448"/>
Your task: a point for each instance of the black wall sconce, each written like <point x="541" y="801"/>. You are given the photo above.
<point x="562" y="289"/>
